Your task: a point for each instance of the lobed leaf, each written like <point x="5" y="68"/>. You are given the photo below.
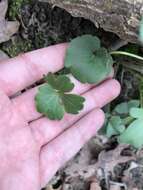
<point x="52" y="99"/>
<point x="48" y="102"/>
<point x="59" y="82"/>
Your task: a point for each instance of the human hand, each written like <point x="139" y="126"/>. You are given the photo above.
<point x="32" y="147"/>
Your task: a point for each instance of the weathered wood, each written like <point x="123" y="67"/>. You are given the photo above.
<point x="119" y="16"/>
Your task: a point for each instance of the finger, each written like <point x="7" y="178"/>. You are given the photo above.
<point x="60" y="150"/>
<point x="25" y="103"/>
<point x="22" y="71"/>
<point x="44" y="130"/>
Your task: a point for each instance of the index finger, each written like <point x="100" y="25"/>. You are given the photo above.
<point x="25" y="69"/>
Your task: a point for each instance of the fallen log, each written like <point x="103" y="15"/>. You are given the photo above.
<point x="121" y="17"/>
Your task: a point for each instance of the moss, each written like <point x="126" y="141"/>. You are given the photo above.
<point x="15" y="8"/>
<point x="15" y="47"/>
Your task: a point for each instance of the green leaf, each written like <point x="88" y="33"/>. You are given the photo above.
<point x="117" y="123"/>
<point x="87" y="61"/>
<point x="72" y="103"/>
<point x="59" y="82"/>
<point x="48" y="102"/>
<point x="115" y="126"/>
<point x="110" y="131"/>
<point x="133" y="103"/>
<point x="53" y="102"/>
<point x="136" y="112"/>
<point x="124" y="107"/>
<point x="133" y="135"/>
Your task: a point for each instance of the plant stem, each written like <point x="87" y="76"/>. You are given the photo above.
<point x="126" y="54"/>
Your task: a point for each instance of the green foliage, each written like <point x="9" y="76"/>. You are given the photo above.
<point x="87" y="60"/>
<point x="61" y="82"/>
<point x="124" y="107"/>
<point x="53" y="98"/>
<point x="90" y="63"/>
<point x="15" y="7"/>
<point x="136" y="113"/>
<point x="129" y="115"/>
<point x="115" y="126"/>
<point x="126" y="122"/>
<point x="15" y="47"/>
<point x="133" y="135"/>
<point x="119" y="118"/>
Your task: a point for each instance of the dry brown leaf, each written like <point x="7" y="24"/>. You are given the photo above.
<point x="81" y="168"/>
<point x="7" y="28"/>
<point x="108" y="160"/>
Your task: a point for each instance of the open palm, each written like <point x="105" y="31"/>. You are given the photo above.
<point x="32" y="147"/>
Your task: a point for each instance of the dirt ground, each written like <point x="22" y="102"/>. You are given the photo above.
<point x="102" y="164"/>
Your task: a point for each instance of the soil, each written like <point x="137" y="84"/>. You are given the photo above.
<point x="43" y="25"/>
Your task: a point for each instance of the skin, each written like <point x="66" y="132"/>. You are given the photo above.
<point x="32" y="147"/>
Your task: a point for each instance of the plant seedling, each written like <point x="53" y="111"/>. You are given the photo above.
<point x="53" y="98"/>
<point x="126" y="123"/>
<point x="133" y="134"/>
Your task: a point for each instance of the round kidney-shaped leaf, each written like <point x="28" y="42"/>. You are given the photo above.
<point x="87" y="61"/>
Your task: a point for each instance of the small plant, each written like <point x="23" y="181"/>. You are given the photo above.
<point x="133" y="134"/>
<point x="90" y="63"/>
<point x="126" y="122"/>
<point x="15" y="8"/>
<point x="53" y="98"/>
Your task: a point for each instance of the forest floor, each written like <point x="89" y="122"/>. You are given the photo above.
<point x="102" y="164"/>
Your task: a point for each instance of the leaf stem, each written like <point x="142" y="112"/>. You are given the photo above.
<point x="126" y="54"/>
